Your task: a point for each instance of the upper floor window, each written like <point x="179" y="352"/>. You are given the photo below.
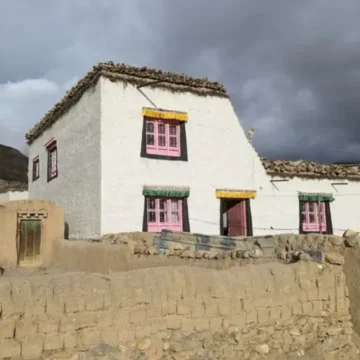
<point x="164" y="135"/>
<point x="163" y="138"/>
<point x="52" y="169"/>
<point x="36" y="168"/>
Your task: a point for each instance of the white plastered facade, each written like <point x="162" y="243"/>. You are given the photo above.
<point x="101" y="173"/>
<point x="78" y="184"/>
<point x="14" y="195"/>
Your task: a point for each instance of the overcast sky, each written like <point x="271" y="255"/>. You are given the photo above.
<point x="292" y="67"/>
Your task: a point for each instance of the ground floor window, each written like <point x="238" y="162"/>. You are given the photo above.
<point x="236" y="219"/>
<point x="166" y="208"/>
<point x="164" y="214"/>
<point x="315" y="217"/>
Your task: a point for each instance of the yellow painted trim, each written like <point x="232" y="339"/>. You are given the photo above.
<point x="235" y="194"/>
<point x="165" y="115"/>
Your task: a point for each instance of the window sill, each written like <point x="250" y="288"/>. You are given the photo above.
<point x="163" y="157"/>
<point x="51" y="179"/>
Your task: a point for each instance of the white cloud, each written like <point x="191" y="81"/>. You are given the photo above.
<point x="27" y="88"/>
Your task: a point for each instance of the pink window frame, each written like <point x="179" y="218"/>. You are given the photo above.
<point x="318" y="224"/>
<point x="36" y="168"/>
<point x="168" y="224"/>
<point x="167" y="150"/>
<point x="52" y="166"/>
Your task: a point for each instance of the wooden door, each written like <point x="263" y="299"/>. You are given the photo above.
<point x="29" y="241"/>
<point x="236" y="218"/>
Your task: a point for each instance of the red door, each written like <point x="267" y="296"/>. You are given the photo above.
<point x="236" y="218"/>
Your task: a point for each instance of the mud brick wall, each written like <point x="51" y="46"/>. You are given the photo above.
<point x="239" y="312"/>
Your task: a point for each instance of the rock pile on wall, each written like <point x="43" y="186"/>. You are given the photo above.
<point x="285" y="247"/>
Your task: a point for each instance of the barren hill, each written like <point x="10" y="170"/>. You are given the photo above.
<point x="13" y="165"/>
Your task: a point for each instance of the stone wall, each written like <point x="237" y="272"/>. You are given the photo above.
<point x="129" y="251"/>
<point x="177" y="313"/>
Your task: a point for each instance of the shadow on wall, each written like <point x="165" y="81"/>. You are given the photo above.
<point x="66" y="232"/>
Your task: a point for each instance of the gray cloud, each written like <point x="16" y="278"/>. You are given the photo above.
<point x="293" y="69"/>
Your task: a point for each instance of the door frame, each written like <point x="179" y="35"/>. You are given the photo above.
<point x="224" y="208"/>
<point x="18" y="237"/>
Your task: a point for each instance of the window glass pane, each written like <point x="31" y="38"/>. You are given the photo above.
<point x="149" y="127"/>
<point x="174" y="205"/>
<point x="150" y="139"/>
<point x="162" y="216"/>
<point x="311" y="206"/>
<point x="311" y="218"/>
<point x="162" y="204"/>
<point x="161" y="128"/>
<point x="151" y="203"/>
<point x="173" y="141"/>
<point x="152" y="216"/>
<point x="172" y="129"/>
<point x="175" y="217"/>
<point x="162" y="140"/>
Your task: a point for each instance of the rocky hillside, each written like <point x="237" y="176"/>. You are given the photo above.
<point x="13" y="169"/>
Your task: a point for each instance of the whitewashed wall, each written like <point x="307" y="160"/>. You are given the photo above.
<point x="77" y="187"/>
<point x="14" y="195"/>
<point x="4" y="197"/>
<point x="219" y="156"/>
<point x="280" y="208"/>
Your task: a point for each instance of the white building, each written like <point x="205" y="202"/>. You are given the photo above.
<point x="131" y="149"/>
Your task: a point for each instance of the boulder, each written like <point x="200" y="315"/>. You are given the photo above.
<point x="350" y="233"/>
<point x="152" y="251"/>
<point x="352" y="241"/>
<point x="187" y="254"/>
<point x="199" y="254"/>
<point x="334" y="258"/>
<point x="256" y="253"/>
<point x="336" y="240"/>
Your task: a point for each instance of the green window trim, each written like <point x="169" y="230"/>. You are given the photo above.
<point x="316" y="198"/>
<point x="166" y="193"/>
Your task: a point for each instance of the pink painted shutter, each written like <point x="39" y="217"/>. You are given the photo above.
<point x="236" y="215"/>
<point x="152" y="215"/>
<point x="151" y="137"/>
<point x="173" y="132"/>
<point x="164" y="214"/>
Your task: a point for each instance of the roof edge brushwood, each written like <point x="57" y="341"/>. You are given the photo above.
<point x="126" y="74"/>
<point x="311" y="170"/>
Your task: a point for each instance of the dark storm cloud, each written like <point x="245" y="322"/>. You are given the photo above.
<point x="292" y="68"/>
